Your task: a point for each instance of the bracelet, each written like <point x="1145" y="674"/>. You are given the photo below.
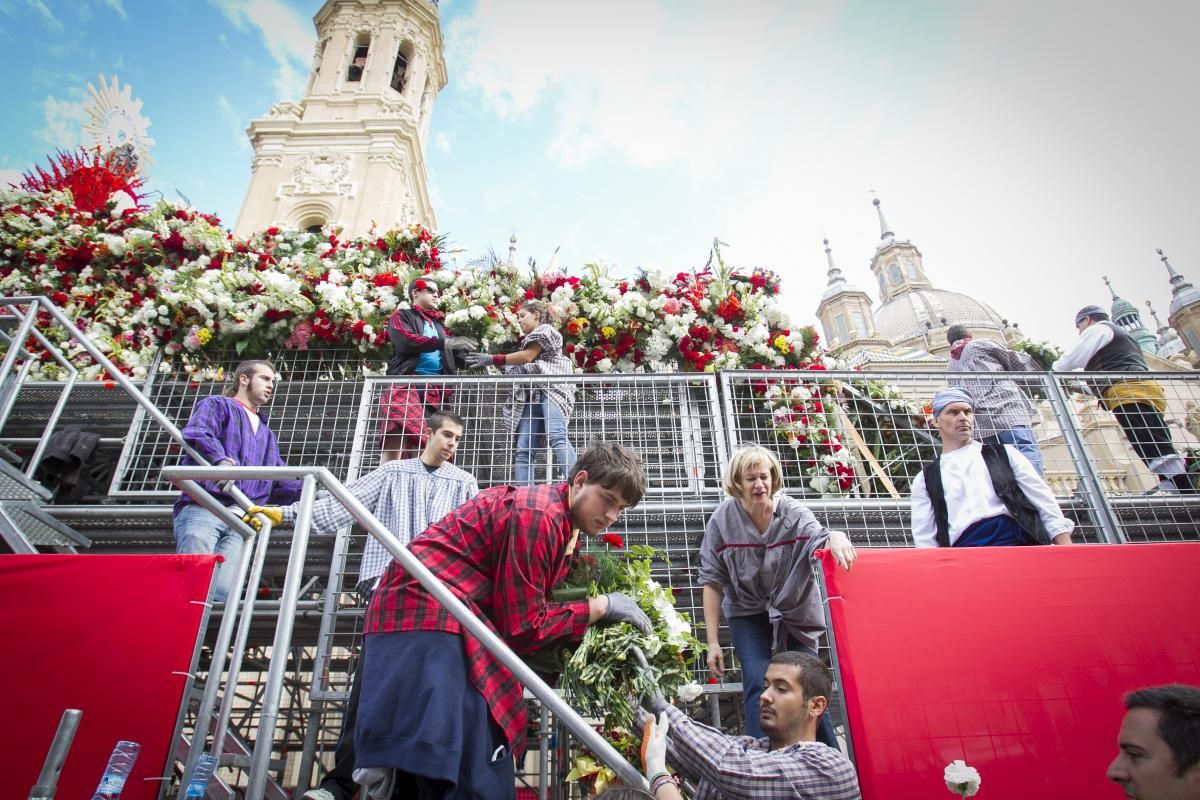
<point x="660" y="780"/>
<point x="498" y="360"/>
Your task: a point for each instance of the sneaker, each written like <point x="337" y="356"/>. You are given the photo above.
<point x="319" y="793"/>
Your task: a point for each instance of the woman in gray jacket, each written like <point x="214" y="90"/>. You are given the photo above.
<point x="756" y="566"/>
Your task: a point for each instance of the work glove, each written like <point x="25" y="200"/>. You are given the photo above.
<point x="621" y="608"/>
<point x="273" y="513"/>
<point x="654" y="745"/>
<point x="654" y="702"/>
<point x="478" y="360"/>
<point x="463" y="343"/>
<point x="842" y="549"/>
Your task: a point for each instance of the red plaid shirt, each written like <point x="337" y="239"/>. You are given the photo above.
<point x="501" y="553"/>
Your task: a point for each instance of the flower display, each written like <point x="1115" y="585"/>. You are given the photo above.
<point x="961" y="779"/>
<point x="600" y="674"/>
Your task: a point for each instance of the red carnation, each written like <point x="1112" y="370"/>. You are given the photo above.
<point x="613" y="540"/>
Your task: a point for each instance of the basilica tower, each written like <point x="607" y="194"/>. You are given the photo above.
<point x="845" y="313"/>
<point x="351" y="152"/>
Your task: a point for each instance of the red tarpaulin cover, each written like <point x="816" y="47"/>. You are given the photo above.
<point x="1011" y="659"/>
<point x="110" y="635"/>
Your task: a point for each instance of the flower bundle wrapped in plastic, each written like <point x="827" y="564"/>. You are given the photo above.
<point x="601" y="676"/>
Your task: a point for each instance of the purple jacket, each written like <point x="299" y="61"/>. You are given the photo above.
<point x="220" y="428"/>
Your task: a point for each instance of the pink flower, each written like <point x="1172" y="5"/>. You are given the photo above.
<point x="671" y="306"/>
<point x="299" y="338"/>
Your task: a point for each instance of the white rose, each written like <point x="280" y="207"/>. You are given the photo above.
<point x="961" y="779"/>
<point x="690" y="693"/>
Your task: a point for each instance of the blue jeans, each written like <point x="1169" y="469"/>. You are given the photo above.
<point x="541" y="420"/>
<point x="1022" y="439"/>
<point x="198" y="531"/>
<point x="752" y="640"/>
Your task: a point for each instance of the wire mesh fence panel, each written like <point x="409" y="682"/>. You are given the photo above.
<point x="312" y="412"/>
<point x="1141" y="433"/>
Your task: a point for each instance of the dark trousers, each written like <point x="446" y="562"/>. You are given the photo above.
<point x="753" y="638"/>
<point x="1146" y="430"/>
<point x="339" y="781"/>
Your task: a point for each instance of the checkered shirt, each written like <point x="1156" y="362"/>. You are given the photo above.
<point x="1000" y="405"/>
<point x="405" y="496"/>
<point x="501" y="553"/>
<point x="735" y="767"/>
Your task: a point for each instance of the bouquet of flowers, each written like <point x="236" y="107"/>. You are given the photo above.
<point x="601" y="675"/>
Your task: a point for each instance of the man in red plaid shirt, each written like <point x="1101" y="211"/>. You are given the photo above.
<point x="440" y="717"/>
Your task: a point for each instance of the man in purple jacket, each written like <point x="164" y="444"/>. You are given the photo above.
<point x="227" y="430"/>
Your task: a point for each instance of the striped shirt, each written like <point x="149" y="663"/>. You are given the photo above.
<point x="405" y="496"/>
<point x="501" y="553"/>
<point x="736" y="767"/>
<point x="550" y="361"/>
<point x="1000" y="405"/>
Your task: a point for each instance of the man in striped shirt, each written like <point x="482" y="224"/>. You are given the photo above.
<point x="407" y="496"/>
<point x="788" y="764"/>
<point x="440" y="716"/>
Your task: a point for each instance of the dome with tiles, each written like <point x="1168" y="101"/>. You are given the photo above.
<point x="911" y="314"/>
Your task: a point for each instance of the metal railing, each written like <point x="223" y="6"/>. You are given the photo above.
<point x="187" y="477"/>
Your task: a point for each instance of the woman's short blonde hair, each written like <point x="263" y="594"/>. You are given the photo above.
<point x="752" y="455"/>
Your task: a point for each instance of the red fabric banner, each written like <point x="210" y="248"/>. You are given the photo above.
<point x="110" y="635"/>
<point x="1011" y="659"/>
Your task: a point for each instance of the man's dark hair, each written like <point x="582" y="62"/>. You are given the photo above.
<point x="1178" y="708"/>
<point x="440" y="417"/>
<point x="420" y="282"/>
<point x="614" y="467"/>
<point x="815" y="678"/>
<point x="247" y="368"/>
<point x="956" y="332"/>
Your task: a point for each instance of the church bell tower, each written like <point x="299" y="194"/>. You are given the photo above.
<point x="351" y="152"/>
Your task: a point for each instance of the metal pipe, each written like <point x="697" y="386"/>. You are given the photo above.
<point x="1089" y="484"/>
<point x="245" y="618"/>
<point x="8" y="389"/>
<point x="833" y="655"/>
<point x="36" y="459"/>
<point x="269" y="716"/>
<point x="224" y="632"/>
<point x="47" y="782"/>
<point x="544" y="754"/>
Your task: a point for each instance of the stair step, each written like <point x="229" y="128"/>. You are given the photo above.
<point x="14" y="485"/>
<point x="39" y="528"/>
<point x="8" y="455"/>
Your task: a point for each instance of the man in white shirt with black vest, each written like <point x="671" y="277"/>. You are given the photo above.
<point x="977" y="495"/>
<point x="1137" y="404"/>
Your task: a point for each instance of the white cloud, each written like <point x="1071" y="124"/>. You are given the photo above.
<point x="441" y="141"/>
<point x="287" y="34"/>
<point x="234" y="121"/>
<point x="64" y="122"/>
<point x="676" y="86"/>
<point x="46" y="14"/>
<point x="9" y="176"/>
<point x="117" y="6"/>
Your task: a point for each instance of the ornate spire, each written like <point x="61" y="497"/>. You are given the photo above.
<point x="1110" y="289"/>
<point x="836" y="279"/>
<point x="512" y="250"/>
<point x="1169" y="343"/>
<point x="885" y="233"/>
<point x="1183" y="294"/>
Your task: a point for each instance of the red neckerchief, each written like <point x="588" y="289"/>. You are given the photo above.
<point x="957" y="348"/>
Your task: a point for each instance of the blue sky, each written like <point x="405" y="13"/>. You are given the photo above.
<point x="1026" y="147"/>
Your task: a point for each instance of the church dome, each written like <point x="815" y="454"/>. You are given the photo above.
<point x="904" y="317"/>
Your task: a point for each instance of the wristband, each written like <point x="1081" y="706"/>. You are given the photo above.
<point x="660" y="780"/>
<point x="498" y="360"/>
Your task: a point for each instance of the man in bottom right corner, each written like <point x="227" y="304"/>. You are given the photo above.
<point x="1159" y="744"/>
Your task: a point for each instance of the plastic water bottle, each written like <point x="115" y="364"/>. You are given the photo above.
<point x="120" y="764"/>
<point x="198" y="785"/>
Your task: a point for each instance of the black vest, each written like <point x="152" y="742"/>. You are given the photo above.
<point x="1004" y="482"/>
<point x="1122" y="354"/>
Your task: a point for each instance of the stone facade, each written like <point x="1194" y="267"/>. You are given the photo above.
<point x="351" y="152"/>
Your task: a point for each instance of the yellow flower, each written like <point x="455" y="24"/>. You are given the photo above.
<point x="204" y="335"/>
<point x="781" y="344"/>
<point x="608" y="331"/>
